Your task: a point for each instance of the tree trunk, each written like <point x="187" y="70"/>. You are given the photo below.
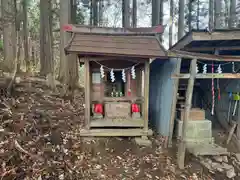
<point x="190" y="4"/>
<point x="134" y="14"/>
<point x="95" y="12"/>
<point x="42" y="37"/>
<point x="126" y="13"/>
<point x="217" y="15"/>
<point x="101" y="12"/>
<point x="181" y="19"/>
<point x="157" y="14"/>
<point x="69" y="64"/>
<point x="9" y="34"/>
<point x="18" y="38"/>
<point x="211" y="16"/>
<point x="154" y="9"/>
<point x="232" y="19"/>
<point x="198" y="14"/>
<point x="47" y="65"/>
<point x="64" y="19"/>
<point x="171" y="23"/>
<point x="161" y="12"/>
<point x="25" y="35"/>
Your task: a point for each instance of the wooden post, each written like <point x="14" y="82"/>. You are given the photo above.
<point x="87" y="92"/>
<point x="238" y="124"/>
<point x="174" y="102"/>
<point x="146" y="94"/>
<point x="188" y="104"/>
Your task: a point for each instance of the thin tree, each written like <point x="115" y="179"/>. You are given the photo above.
<point x="211" y="15"/>
<point x="25" y="34"/>
<point x="68" y="63"/>
<point x="46" y="54"/>
<point x="181" y="19"/>
<point x="94" y="11"/>
<point x="134" y="14"/>
<point x="171" y="23"/>
<point x="126" y="13"/>
<point x="217" y="14"/>
<point x="232" y="19"/>
<point x="190" y="9"/>
<point x="9" y="34"/>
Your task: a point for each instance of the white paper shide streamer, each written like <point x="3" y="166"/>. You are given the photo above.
<point x="112" y="76"/>
<point x="219" y="69"/>
<point x="204" y="68"/>
<point x="233" y="67"/>
<point x="123" y="75"/>
<point x="102" y="72"/>
<point x="133" y="73"/>
<point x="197" y="70"/>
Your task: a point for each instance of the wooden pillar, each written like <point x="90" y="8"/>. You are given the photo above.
<point x="188" y="104"/>
<point x="174" y="101"/>
<point x="87" y="92"/>
<point x="146" y="94"/>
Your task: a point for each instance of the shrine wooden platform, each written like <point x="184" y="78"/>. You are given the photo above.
<point x="117" y="122"/>
<point x="103" y="132"/>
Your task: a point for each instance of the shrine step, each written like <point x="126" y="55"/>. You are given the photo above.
<point x="206" y="149"/>
<point x="117" y="123"/>
<point x="116" y="132"/>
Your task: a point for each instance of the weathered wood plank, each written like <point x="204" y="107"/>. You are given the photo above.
<point x="188" y="104"/>
<point x="111" y="30"/>
<point x="117" y="123"/>
<point x="121" y="99"/>
<point x="194" y="49"/>
<point x="209" y="76"/>
<point x="115" y="132"/>
<point x="202" y="56"/>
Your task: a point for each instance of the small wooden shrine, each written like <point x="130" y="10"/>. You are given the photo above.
<point x="116" y="62"/>
<point x="213" y="56"/>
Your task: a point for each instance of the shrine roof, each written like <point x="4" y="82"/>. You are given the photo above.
<point x="205" y="41"/>
<point x="131" y="42"/>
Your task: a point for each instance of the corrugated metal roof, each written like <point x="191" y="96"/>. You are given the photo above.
<point x="116" y="45"/>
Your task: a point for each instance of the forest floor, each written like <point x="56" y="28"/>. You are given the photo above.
<point x="39" y="139"/>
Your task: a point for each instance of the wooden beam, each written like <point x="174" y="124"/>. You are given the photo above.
<point x="195" y="49"/>
<point x="208" y="76"/>
<point x="216" y="35"/>
<point x="115" y="132"/>
<point x="87" y="92"/>
<point x="185" y="40"/>
<point x="117" y="123"/>
<point x="202" y="56"/>
<point x="146" y="94"/>
<point x="108" y="30"/>
<point x="109" y="58"/>
<point x="188" y="105"/>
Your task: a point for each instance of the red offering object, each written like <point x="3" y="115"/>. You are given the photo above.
<point x="98" y="108"/>
<point x="67" y="27"/>
<point x="135" y="108"/>
<point x="159" y="29"/>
